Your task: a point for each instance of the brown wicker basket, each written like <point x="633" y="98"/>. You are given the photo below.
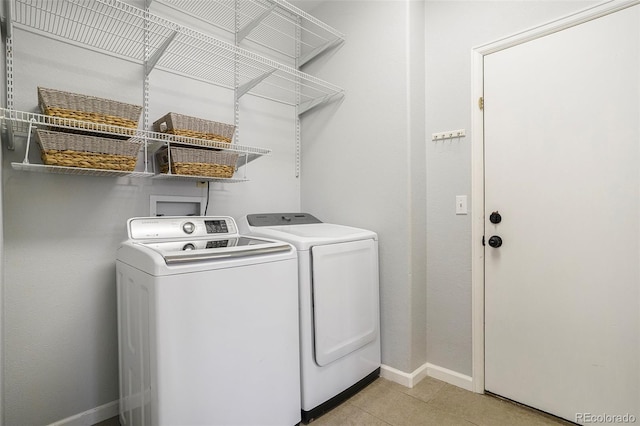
<point x="84" y="151"/>
<point x="75" y="106"/>
<point x="197" y="162"/>
<point x="193" y="127"/>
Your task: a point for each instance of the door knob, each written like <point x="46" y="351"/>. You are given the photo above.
<point x="495" y="217"/>
<point x="495" y="241"/>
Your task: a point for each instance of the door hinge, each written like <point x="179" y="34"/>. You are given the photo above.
<point x="481" y="102"/>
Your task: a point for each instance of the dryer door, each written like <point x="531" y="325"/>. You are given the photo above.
<point x="345" y="298"/>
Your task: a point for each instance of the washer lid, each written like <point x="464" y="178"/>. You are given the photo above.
<point x="199" y="250"/>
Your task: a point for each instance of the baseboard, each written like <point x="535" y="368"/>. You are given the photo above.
<point x="411" y="379"/>
<point x="405" y="379"/>
<point x="452" y="377"/>
<point x="90" y="417"/>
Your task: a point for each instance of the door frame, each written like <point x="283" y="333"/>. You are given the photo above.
<point x="477" y="162"/>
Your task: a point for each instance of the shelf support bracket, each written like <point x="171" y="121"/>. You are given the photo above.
<point x="7" y="32"/>
<point x="8" y="135"/>
<point x="309" y="105"/>
<point x="308" y="57"/>
<point x="246" y="30"/>
<point x="7" y="26"/>
<point x="153" y="60"/>
<point x="314" y="103"/>
<point x="243" y="89"/>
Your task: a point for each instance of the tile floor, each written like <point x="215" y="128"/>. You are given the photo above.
<point x="430" y="402"/>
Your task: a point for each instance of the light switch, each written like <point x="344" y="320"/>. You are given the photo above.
<point x="461" y="204"/>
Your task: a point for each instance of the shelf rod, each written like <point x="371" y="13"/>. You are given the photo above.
<point x="244" y="88"/>
<point x="318" y="50"/>
<point x="29" y="133"/>
<point x="246" y="30"/>
<point x="151" y="63"/>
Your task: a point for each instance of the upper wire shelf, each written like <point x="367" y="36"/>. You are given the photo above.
<point x="274" y="24"/>
<point x="119" y="29"/>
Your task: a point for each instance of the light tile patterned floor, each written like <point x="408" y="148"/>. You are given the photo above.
<point x="430" y="402"/>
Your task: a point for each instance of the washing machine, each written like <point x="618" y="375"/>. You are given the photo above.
<point x="339" y="305"/>
<point x="208" y="325"/>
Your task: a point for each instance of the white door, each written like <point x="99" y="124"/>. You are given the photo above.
<point x="562" y="168"/>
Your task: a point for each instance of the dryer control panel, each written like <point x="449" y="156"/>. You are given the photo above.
<point x="277" y="219"/>
<point x="164" y="227"/>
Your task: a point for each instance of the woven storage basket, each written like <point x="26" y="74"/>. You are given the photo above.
<point x="198" y="162"/>
<point x="74" y="150"/>
<point x="193" y="127"/>
<point x="61" y="104"/>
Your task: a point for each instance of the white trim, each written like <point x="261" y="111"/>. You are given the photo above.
<point x="405" y="379"/>
<point x="477" y="226"/>
<point x="411" y="379"/>
<point x="452" y="377"/>
<point x="577" y="18"/>
<point x="477" y="159"/>
<point x="2" y="293"/>
<point x="90" y="417"/>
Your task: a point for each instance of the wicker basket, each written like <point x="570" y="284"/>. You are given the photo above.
<point x="197" y="162"/>
<point x="75" y="106"/>
<point x="74" y="150"/>
<point x="184" y="125"/>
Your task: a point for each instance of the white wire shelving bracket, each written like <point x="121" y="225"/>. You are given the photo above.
<point x="273" y="24"/>
<point x="117" y="28"/>
<point x="21" y="123"/>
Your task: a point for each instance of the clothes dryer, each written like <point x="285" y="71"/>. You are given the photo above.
<point x="339" y="305"/>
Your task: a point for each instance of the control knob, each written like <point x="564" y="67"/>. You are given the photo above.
<point x="189" y="227"/>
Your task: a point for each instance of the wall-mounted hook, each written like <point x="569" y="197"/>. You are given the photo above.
<point x="451" y="134"/>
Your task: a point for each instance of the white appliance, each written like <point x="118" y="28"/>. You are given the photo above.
<point x="339" y="305"/>
<point x="208" y="325"/>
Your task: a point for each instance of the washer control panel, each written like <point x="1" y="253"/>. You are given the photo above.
<point x="216" y="226"/>
<point x="163" y="227"/>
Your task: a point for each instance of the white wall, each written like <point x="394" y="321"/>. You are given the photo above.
<point x="61" y="232"/>
<point x="360" y="154"/>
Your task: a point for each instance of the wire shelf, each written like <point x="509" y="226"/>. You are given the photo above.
<point x="20" y="123"/>
<point x="274" y="24"/>
<point x="117" y="28"/>
<point x="62" y="170"/>
<point x="198" y="178"/>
